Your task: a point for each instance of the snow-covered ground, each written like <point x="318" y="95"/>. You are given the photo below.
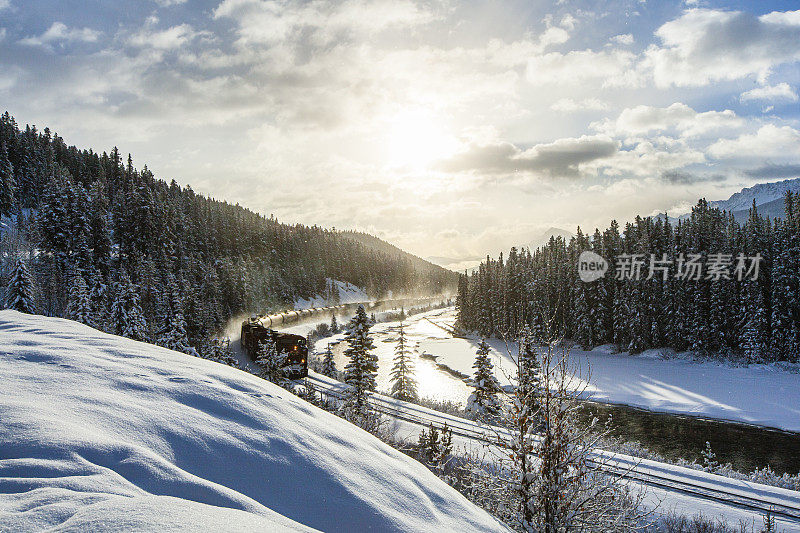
<point x="766" y="395"/>
<point x="98" y="432"/>
<point x="659" y="500"/>
<point x="348" y="293"/>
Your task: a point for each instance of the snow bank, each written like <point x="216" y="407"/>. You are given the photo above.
<point x="98" y="432"/>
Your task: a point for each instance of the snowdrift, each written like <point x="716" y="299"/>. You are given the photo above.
<point x="98" y="432"/>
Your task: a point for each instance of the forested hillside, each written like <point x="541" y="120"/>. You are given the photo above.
<point x="720" y="313"/>
<point x="115" y="247"/>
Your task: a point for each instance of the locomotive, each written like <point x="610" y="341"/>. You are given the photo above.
<point x="294" y="346"/>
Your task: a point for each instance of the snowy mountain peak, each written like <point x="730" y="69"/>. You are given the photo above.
<point x="761" y="193"/>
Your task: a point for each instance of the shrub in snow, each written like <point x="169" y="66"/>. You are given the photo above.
<point x="435" y="446"/>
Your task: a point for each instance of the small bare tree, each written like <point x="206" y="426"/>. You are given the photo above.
<point x="561" y="484"/>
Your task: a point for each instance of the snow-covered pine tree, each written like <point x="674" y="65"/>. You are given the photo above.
<point x="334" y="324"/>
<point x="127" y="318"/>
<point x="483" y="402"/>
<point x="710" y="463"/>
<point x="360" y="372"/>
<point x="21" y="291"/>
<point x="7" y="183"/>
<point x="270" y="361"/>
<point x="753" y="337"/>
<point x="98" y="296"/>
<point x="435" y="446"/>
<point x="79" y="306"/>
<point x="404" y="386"/>
<point x="173" y="332"/>
<point x="328" y="364"/>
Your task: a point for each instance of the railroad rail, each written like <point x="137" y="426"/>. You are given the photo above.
<point x="763" y="499"/>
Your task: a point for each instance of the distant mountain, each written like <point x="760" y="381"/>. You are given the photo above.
<point x="543" y="238"/>
<point x="768" y="198"/>
<point x="455" y="264"/>
<point x="444" y="280"/>
<point x="773" y="209"/>
<point x="762" y="193"/>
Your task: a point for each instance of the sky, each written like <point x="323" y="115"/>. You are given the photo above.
<point x="451" y="129"/>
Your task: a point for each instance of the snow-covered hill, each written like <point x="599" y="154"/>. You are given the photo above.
<point x="98" y="432"/>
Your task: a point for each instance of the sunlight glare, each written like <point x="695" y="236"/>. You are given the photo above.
<point x="416" y="139"/>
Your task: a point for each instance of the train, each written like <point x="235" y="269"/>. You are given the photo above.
<point x="254" y="332"/>
<point x="257" y="328"/>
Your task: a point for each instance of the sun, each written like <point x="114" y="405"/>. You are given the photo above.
<point x="416" y="139"/>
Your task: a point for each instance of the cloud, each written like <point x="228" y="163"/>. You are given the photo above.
<point x="615" y="67"/>
<point x="624" y="39"/>
<point x="5" y="4"/>
<point x="774" y="171"/>
<point x="560" y="158"/>
<point x="321" y="23"/>
<point x="59" y="32"/>
<point x="171" y="38"/>
<point x="678" y="117"/>
<point x="705" y="45"/>
<point x="782" y="91"/>
<point x="770" y="141"/>
<point x="568" y="105"/>
<point x="167" y="3"/>
<point x="677" y="177"/>
<point x="649" y="158"/>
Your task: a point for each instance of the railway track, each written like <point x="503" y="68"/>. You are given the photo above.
<point x="745" y="495"/>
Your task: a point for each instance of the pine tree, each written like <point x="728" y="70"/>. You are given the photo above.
<point x="173" y="332"/>
<point x="79" y="307"/>
<point x="483" y="402"/>
<point x="127" y="318"/>
<point x="360" y="372"/>
<point x="435" y="446"/>
<point x="334" y="324"/>
<point x="21" y="291"/>
<point x="710" y="463"/>
<point x="7" y="183"/>
<point x="404" y="386"/>
<point x="270" y="361"/>
<point x="328" y="364"/>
